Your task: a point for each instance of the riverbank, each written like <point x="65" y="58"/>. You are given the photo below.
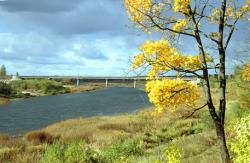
<point x="20" y="92"/>
<point x="131" y="138"/>
<point x="4" y="100"/>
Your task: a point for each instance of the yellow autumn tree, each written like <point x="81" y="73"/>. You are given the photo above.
<point x="246" y="72"/>
<point x="186" y="18"/>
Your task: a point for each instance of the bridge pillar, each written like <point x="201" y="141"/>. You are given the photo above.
<point x="77" y="82"/>
<point x="106" y="83"/>
<point x="134" y="83"/>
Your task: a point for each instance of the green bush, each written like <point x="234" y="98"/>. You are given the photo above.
<point x="53" y="153"/>
<point x="121" y="150"/>
<point x="172" y="154"/>
<point x="241" y="144"/>
<point x="70" y="153"/>
<point x="74" y="152"/>
<point x="5" y="89"/>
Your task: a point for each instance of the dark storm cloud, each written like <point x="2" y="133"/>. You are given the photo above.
<point x="67" y="17"/>
<point x="46" y="6"/>
<point x="63" y="36"/>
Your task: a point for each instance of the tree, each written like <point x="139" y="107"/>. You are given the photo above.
<point x="5" y="89"/>
<point x="17" y="74"/>
<point x="3" y="70"/>
<point x="206" y="22"/>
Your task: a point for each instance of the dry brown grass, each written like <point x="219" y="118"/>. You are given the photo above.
<point x="17" y="150"/>
<point x="10" y="142"/>
<point x="97" y="131"/>
<point x="4" y="100"/>
<point x="86" y="87"/>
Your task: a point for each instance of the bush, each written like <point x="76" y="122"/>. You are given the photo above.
<point x="241" y="144"/>
<point x="173" y="154"/>
<point x="53" y="153"/>
<point x="39" y="137"/>
<point x="5" y="89"/>
<point x="120" y="150"/>
<point x="70" y="153"/>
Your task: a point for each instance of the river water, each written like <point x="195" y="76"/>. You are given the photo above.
<point x="34" y="113"/>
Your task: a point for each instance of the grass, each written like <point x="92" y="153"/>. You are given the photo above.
<point x="4" y="100"/>
<point x="85" y="88"/>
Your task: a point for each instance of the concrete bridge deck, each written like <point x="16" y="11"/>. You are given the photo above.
<point x="105" y="79"/>
<point x="99" y="77"/>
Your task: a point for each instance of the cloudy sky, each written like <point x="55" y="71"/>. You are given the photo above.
<point x="67" y="37"/>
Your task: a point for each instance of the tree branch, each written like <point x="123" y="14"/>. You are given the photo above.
<point x="230" y="33"/>
<point x="195" y="110"/>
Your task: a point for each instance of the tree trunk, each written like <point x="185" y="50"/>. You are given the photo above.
<point x="222" y="142"/>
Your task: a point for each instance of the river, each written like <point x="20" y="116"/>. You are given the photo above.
<point x="24" y="115"/>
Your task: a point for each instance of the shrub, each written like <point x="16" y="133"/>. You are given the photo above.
<point x="241" y="144"/>
<point x="39" y="137"/>
<point x="74" y="152"/>
<point x="5" y="89"/>
<point x="70" y="153"/>
<point x="120" y="150"/>
<point x="53" y="153"/>
<point x="173" y="154"/>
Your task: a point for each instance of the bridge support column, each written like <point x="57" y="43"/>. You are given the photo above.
<point x="106" y="83"/>
<point x="77" y="82"/>
<point x="134" y="83"/>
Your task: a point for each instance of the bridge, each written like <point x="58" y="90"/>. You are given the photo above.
<point x="105" y="79"/>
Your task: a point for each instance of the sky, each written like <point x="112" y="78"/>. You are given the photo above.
<point x="69" y="37"/>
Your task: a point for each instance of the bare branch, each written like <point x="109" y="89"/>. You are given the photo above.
<point x="195" y="110"/>
<point x="230" y="33"/>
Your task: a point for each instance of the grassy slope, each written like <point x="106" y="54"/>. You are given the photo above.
<point x="198" y="142"/>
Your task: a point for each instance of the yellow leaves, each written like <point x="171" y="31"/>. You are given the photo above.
<point x="215" y="15"/>
<point x="231" y="12"/>
<point x="214" y="35"/>
<point x="163" y="92"/>
<point x="244" y="9"/>
<point x="137" y="9"/>
<point x="182" y="6"/>
<point x="151" y="47"/>
<point x="246" y="72"/>
<point x="171" y="93"/>
<point x="138" y="61"/>
<point x="161" y="57"/>
<point x="181" y="25"/>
